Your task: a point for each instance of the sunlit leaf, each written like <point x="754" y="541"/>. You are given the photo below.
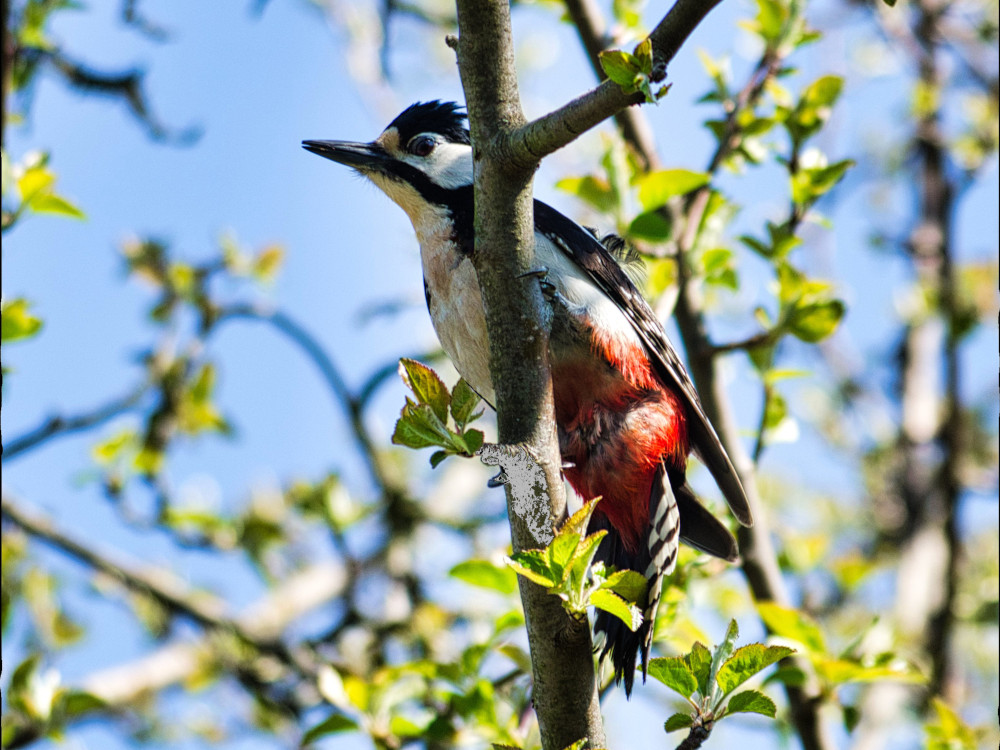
<point x="333" y="724"/>
<point x="16" y="323"/>
<point x="751" y="701"/>
<point x="699" y="661"/>
<point x="675" y="673"/>
<point x="613" y="604"/>
<point x="677" y="721"/>
<point x="426" y="386"/>
<point x="656" y="188"/>
<point x="533" y="565"/>
<point x="746" y="662"/>
<point x="794" y="625"/>
<point x="486" y="575"/>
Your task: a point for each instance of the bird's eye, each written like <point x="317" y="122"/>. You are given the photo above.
<point x="422" y="145"/>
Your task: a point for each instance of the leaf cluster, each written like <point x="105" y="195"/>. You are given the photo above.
<point x="635" y="71"/>
<point x="707" y="680"/>
<point x="565" y="569"/>
<point x="427" y="422"/>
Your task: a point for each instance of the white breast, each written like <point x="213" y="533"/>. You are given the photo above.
<point x="456" y="309"/>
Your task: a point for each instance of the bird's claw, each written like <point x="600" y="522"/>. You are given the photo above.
<point x="548" y="289"/>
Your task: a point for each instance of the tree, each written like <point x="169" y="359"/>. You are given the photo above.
<point x="387" y="669"/>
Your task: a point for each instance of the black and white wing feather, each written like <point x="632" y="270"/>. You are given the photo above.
<point x="590" y="255"/>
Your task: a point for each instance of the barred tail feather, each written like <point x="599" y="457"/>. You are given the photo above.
<point x="654" y="559"/>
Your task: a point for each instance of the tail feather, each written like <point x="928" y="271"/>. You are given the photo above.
<point x="655" y="559"/>
<point x="675" y="514"/>
<point x="619" y="643"/>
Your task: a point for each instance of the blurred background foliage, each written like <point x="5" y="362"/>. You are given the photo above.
<point x="366" y="604"/>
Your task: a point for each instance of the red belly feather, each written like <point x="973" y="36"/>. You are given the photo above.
<point x="617" y="423"/>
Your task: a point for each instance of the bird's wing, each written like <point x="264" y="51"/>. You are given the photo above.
<point x="590" y="255"/>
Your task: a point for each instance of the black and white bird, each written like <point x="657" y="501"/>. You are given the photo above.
<point x="627" y="412"/>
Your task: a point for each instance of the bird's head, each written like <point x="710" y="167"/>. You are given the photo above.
<point x="418" y="160"/>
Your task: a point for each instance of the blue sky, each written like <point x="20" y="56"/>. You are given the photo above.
<point x="257" y="87"/>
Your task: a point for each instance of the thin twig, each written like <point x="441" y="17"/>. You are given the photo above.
<point x="352" y="405"/>
<point x="58" y="426"/>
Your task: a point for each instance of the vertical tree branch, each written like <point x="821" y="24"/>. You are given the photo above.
<point x="565" y="687"/>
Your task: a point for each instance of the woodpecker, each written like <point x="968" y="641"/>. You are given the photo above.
<point x="627" y="413"/>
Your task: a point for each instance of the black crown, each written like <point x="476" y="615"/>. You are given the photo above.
<point x="445" y="118"/>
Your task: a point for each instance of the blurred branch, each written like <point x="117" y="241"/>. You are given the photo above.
<point x="124" y="686"/>
<point x="58" y="426"/>
<point x="586" y="16"/>
<point x="132" y="17"/>
<point x="760" y="564"/>
<point x="127" y="87"/>
<point x="551" y="132"/>
<point x="162" y="586"/>
<point x="352" y="405"/>
<point x="934" y="497"/>
<point x="7" y="40"/>
<point x="760" y="339"/>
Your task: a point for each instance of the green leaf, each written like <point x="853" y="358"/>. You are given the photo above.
<point x="630" y="585"/>
<point x="77" y="702"/>
<point x="426" y="386"/>
<point x="813" y="108"/>
<point x="718" y="267"/>
<point x="643" y="55"/>
<point x="613" y="604"/>
<point x="437" y="457"/>
<point x="16" y="323"/>
<point x="756" y="245"/>
<point x="651" y="226"/>
<point x="776" y="409"/>
<point x="678" y="721"/>
<point x="751" y="701"/>
<point x="699" y="661"/>
<point x="332" y="724"/>
<point x="561" y="551"/>
<point x="579" y="521"/>
<point x="841" y="671"/>
<point x="464" y="401"/>
<point x="794" y="625"/>
<point x="746" y="662"/>
<point x="533" y="564"/>
<point x="814" y="322"/>
<point x="721" y="654"/>
<point x="947" y="731"/>
<point x="656" y="188"/>
<point x="620" y="67"/>
<point x="50" y="203"/>
<point x="419" y="427"/>
<point x="486" y="575"/>
<point x="592" y="190"/>
<point x="267" y="263"/>
<point x="473" y="440"/>
<point x="34" y="181"/>
<point x="675" y="673"/>
<point x="809" y="183"/>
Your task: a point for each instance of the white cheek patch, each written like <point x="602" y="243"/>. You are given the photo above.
<point x="448" y="165"/>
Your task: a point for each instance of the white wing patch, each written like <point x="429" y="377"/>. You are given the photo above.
<point x="580" y="291"/>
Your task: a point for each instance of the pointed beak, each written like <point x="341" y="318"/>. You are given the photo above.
<point x="364" y="157"/>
